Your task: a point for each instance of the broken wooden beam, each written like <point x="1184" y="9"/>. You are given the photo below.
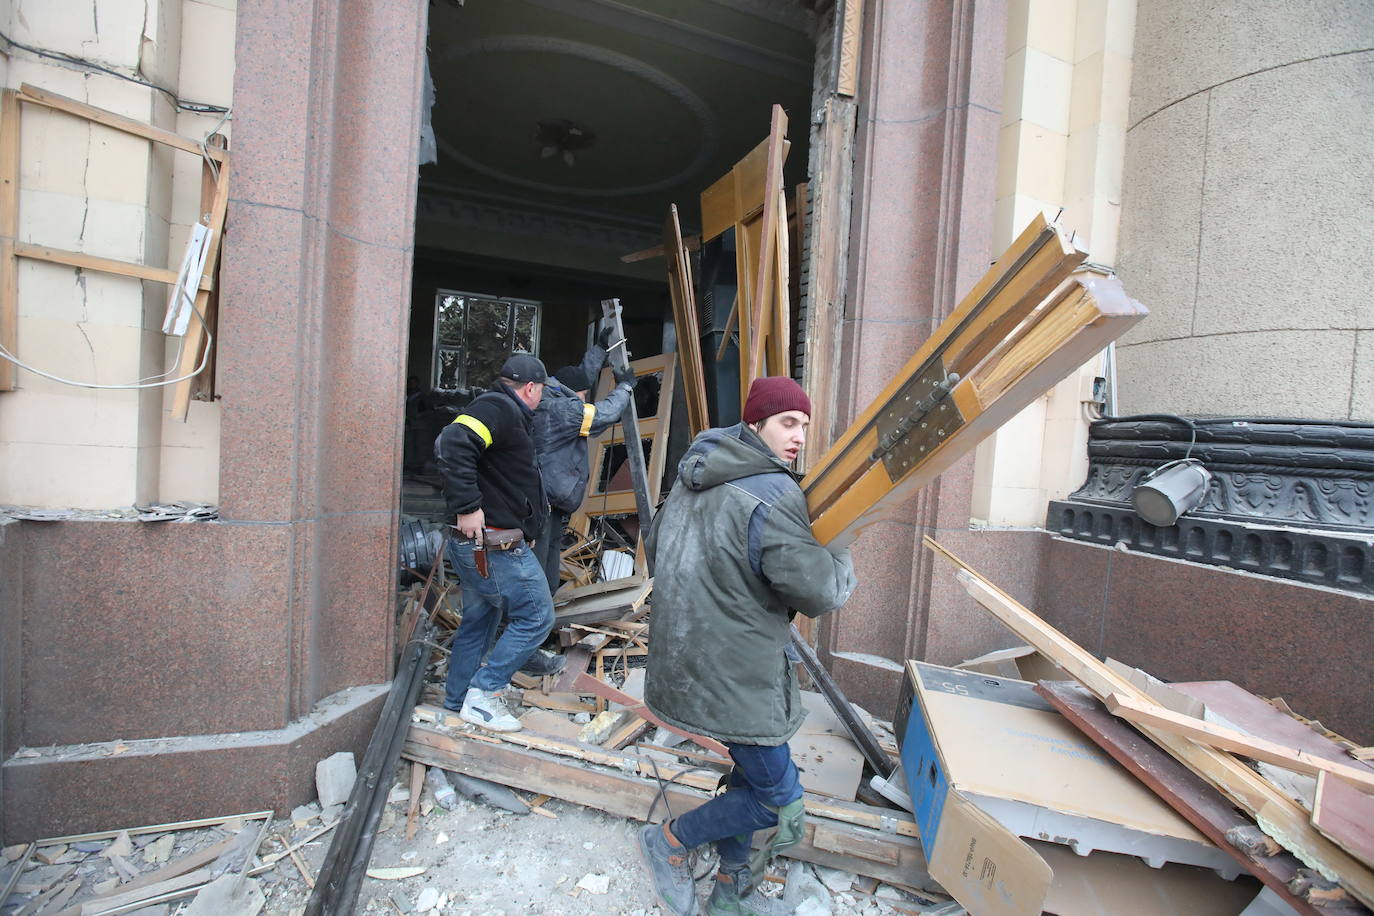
<point x="877" y="842"/>
<point x="1186" y="792"/>
<point x="1237" y="742"/>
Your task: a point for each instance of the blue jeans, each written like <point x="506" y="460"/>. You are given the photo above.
<point x="762" y="781"/>
<point x="515" y="585"/>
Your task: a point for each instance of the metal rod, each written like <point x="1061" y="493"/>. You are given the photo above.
<point x="867" y="744"/>
<point x="619" y="356"/>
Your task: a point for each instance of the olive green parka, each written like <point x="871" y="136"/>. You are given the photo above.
<point x="733" y="556"/>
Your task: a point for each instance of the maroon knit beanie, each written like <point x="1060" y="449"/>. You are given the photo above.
<point x="774" y="394"/>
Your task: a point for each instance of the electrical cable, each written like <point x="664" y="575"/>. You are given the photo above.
<point x="149" y="382"/>
<point x="182" y="104"/>
<point x="693" y="855"/>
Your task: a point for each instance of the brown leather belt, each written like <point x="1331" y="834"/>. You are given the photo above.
<point x="502" y="538"/>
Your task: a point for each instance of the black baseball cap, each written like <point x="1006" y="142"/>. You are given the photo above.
<point x="524" y="367"/>
<point x="574" y="378"/>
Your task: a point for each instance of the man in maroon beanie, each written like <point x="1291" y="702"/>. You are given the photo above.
<point x="734" y="559"/>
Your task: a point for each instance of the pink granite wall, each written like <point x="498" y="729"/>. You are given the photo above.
<point x="922" y="228"/>
<point x="1185" y="621"/>
<point x="242" y="627"/>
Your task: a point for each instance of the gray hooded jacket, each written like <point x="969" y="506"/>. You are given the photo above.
<point x="733" y="556"/>
<point x="562" y="425"/>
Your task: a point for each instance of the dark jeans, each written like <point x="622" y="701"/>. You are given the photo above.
<point x="515" y="586"/>
<point x="549" y="547"/>
<point x="762" y="781"/>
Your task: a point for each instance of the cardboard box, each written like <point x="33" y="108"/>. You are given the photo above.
<point x="987" y="762"/>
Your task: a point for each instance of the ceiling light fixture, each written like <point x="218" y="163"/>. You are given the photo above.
<point x="562" y="138"/>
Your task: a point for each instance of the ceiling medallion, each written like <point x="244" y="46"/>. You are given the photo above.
<point x="708" y="125"/>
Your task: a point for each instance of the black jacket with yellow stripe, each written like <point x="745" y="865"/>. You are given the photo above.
<point x="487" y="461"/>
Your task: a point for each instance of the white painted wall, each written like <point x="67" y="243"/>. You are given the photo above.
<point x="88" y="188"/>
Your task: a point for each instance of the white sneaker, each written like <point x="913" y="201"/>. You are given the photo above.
<point x="488" y="710"/>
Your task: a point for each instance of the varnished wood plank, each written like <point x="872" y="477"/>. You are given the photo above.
<point x="1111" y="314"/>
<point x="1148" y="712"/>
<point x="1342" y="813"/>
<point x="763" y="290"/>
<point x="1275" y="813"/>
<point x="601" y="689"/>
<point x="1202" y="805"/>
<point x="683" y="294"/>
<point x="992" y="298"/>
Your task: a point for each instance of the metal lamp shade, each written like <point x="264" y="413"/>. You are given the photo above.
<point x="1170" y="491"/>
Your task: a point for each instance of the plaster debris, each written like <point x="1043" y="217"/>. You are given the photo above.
<point x="834" y="879"/>
<point x="428" y="900"/>
<point x="122" y="846"/>
<point x="595" y="884"/>
<point x="304" y="814"/>
<point x="228" y="895"/>
<point x="160" y="850"/>
<point x="334" y="777"/>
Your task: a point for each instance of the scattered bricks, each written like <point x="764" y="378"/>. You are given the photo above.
<point x="334" y="777"/>
<point x="49" y="855"/>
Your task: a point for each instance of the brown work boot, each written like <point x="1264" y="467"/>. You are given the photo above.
<point x="665" y="859"/>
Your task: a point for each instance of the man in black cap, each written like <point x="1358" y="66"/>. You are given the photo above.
<point x="562" y="424"/>
<point x="492" y="486"/>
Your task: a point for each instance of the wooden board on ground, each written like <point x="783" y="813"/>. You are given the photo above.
<point x="1147" y="712"/>
<point x="889" y="853"/>
<point x="1278" y="815"/>
<point x="1228" y="703"/>
<point x="605" y="606"/>
<point x="606" y="691"/>
<point x="1203" y="806"/>
<point x="1341" y="811"/>
<point x="829" y="762"/>
<point x="550" y="724"/>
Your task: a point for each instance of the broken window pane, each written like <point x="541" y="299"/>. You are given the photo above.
<point x="474" y="334"/>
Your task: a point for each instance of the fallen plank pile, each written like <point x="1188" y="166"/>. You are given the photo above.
<point x="210" y="862"/>
<point x="587" y="738"/>
<point x="1300" y="819"/>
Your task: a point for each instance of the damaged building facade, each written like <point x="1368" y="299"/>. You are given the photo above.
<point x="1214" y="156"/>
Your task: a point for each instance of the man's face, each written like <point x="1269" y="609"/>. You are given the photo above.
<point x="530" y="393"/>
<point x="784" y="433"/>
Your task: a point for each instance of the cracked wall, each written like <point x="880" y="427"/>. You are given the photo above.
<point x="98" y="191"/>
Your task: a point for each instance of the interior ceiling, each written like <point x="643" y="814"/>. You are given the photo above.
<point x="664" y="96"/>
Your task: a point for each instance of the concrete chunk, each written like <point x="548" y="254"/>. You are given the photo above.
<point x="334" y="777"/>
<point x="219" y="899"/>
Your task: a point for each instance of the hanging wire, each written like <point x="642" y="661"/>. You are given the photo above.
<point x="180" y="103"/>
<point x="149" y="382"/>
